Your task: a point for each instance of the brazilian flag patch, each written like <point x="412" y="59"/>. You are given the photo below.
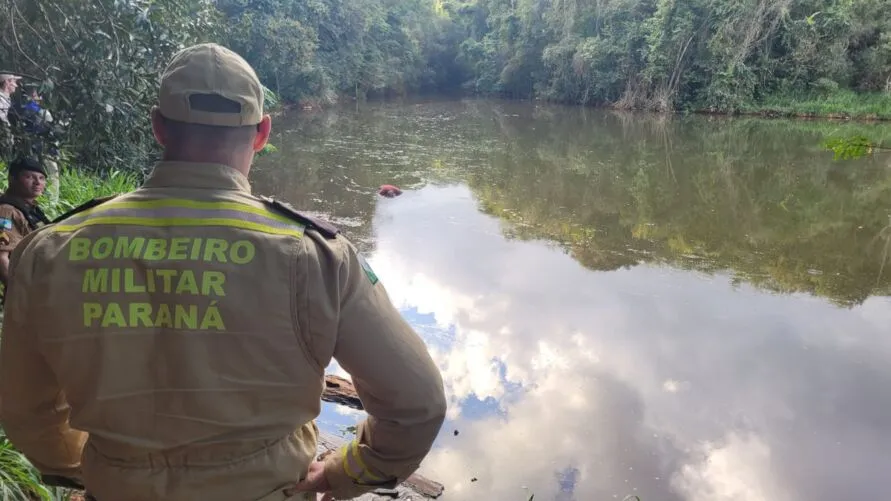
<point x="368" y="271"/>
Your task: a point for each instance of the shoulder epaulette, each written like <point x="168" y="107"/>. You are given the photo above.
<point x="84" y="206"/>
<point x="325" y="228"/>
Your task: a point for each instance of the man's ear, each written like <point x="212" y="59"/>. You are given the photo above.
<point x="264" y="128"/>
<point x="158" y="127"/>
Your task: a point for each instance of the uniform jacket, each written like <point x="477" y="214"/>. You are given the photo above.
<point x="17" y="219"/>
<point x="170" y="344"/>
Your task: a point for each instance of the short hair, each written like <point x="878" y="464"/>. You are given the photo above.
<point x="184" y="135"/>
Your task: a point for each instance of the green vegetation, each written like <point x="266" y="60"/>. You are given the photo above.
<point x="97" y="62"/>
<point x="312" y="52"/>
<point x="348" y="430"/>
<point x="841" y="104"/>
<point x="77" y="187"/>
<point x="19" y="480"/>
<point x="712" y="55"/>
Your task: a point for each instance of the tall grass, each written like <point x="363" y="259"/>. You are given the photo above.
<point x="20" y="481"/>
<point x="77" y="186"/>
<point x="834" y="104"/>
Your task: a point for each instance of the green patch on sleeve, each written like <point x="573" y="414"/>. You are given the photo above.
<point x="368" y="271"/>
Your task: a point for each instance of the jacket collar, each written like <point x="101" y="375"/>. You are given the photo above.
<point x="197" y="175"/>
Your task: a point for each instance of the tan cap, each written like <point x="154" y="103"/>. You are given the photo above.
<point x="6" y="76"/>
<point x="210" y="69"/>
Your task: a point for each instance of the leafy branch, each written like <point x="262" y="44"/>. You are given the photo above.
<point x="853" y="147"/>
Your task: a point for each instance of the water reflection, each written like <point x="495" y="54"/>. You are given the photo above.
<point x="600" y="293"/>
<point x="755" y="197"/>
<point x="649" y="381"/>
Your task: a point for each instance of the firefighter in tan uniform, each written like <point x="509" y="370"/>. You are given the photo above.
<point x="169" y="343"/>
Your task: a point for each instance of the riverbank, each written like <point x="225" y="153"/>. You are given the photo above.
<point x="838" y="105"/>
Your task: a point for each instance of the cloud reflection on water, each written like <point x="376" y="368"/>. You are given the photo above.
<point x="666" y="384"/>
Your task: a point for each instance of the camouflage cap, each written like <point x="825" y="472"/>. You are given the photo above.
<point x="209" y="69"/>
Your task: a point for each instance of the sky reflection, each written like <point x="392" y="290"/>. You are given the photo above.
<point x="666" y="384"/>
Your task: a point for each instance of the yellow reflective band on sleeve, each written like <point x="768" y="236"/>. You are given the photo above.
<point x="355" y="467"/>
<point x="178" y="212"/>
<point x="344" y="455"/>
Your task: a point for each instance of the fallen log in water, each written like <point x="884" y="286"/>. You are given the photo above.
<point x="341" y="391"/>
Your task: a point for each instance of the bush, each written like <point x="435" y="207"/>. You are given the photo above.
<point x="77" y="187"/>
<point x="96" y="63"/>
<point x="19" y="480"/>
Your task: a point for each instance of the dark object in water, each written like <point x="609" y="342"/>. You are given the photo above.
<point x="389" y="191"/>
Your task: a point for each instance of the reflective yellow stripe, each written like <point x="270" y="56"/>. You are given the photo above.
<point x="358" y="471"/>
<point x="182" y="203"/>
<point x="297" y="231"/>
<point x="180" y="212"/>
<point x="344" y="458"/>
<point x="365" y="468"/>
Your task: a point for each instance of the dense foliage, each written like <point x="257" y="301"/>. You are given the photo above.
<point x="97" y="64"/>
<point x="18" y="478"/>
<point x="20" y="481"/>
<point x="97" y="61"/>
<point x="313" y="51"/>
<point x="661" y="54"/>
<point x="724" y="55"/>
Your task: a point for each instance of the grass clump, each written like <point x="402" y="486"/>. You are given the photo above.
<point x="77" y="186"/>
<point x="845" y="104"/>
<point x="20" y="480"/>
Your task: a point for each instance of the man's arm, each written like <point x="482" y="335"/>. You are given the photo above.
<point x="399" y="385"/>
<point x="34" y="411"/>
<point x="4" y="264"/>
<point x="10" y="236"/>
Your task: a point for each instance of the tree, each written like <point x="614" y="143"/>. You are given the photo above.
<point x="97" y="63"/>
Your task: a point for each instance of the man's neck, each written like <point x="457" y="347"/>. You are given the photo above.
<point x="205" y="158"/>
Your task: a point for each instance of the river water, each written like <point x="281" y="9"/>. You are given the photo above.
<point x="683" y="308"/>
